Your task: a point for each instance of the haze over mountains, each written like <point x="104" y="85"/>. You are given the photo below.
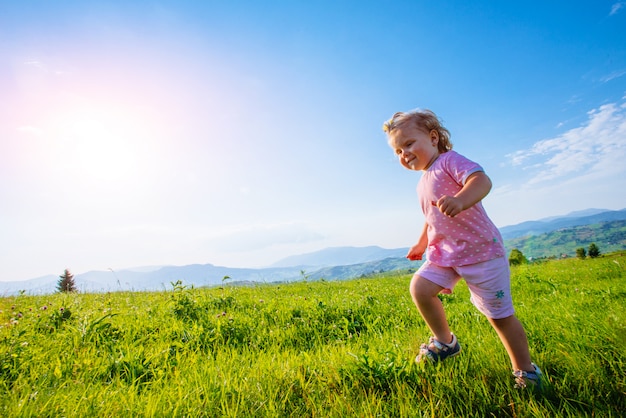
<point x="329" y="263"/>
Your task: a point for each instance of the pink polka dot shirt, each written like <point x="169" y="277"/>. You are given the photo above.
<point x="468" y="238"/>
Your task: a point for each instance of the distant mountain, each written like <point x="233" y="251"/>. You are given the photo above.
<point x="154" y="279"/>
<point x="567" y="221"/>
<point x="576" y="214"/>
<point x="340" y="256"/>
<point x="551" y="236"/>
<point x="38" y="286"/>
<point x="353" y="262"/>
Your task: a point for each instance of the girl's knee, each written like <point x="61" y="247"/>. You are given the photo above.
<point x="423" y="288"/>
<point x="414" y="287"/>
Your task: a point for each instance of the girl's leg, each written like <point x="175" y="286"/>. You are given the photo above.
<point x="424" y="294"/>
<point x="513" y="337"/>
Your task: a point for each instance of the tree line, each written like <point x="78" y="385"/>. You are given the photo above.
<point x="516" y="257"/>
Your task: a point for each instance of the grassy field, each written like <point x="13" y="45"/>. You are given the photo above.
<point x="313" y="349"/>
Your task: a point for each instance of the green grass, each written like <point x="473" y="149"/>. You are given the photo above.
<point x="318" y="349"/>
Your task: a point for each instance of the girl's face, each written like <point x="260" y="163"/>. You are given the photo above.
<point x="416" y="149"/>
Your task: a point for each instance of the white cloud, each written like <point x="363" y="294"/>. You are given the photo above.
<point x="616" y="7"/>
<point x="34" y="63"/>
<point x="612" y="76"/>
<point x="597" y="149"/>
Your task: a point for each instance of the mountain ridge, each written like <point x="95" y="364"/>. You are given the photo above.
<point x="333" y="256"/>
<point x="333" y="263"/>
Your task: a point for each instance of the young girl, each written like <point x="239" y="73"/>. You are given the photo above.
<point x="461" y="240"/>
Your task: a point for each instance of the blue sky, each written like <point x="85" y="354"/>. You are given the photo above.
<point x="238" y="133"/>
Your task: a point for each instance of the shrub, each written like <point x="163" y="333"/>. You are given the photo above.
<point x="593" y="251"/>
<point x="516" y="258"/>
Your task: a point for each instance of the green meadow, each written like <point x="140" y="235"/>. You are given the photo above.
<point x="314" y="349"/>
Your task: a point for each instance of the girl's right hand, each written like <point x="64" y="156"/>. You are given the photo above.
<point x="415" y="253"/>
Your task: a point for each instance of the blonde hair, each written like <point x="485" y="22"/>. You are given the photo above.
<point x="423" y="119"/>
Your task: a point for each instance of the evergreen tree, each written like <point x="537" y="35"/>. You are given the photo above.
<point x="581" y="253"/>
<point x="593" y="251"/>
<point x="66" y="282"/>
<point x="516" y="258"/>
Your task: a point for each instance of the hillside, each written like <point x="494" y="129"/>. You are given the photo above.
<point x="366" y="269"/>
<point x="609" y="236"/>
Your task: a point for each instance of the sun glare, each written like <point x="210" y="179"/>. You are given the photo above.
<point x="102" y="150"/>
<point x="104" y="145"/>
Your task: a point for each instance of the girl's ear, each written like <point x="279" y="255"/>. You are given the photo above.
<point x="434" y="136"/>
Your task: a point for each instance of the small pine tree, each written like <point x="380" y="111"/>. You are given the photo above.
<point x="593" y="250"/>
<point x="581" y="253"/>
<point x="516" y="258"/>
<point x="66" y="282"/>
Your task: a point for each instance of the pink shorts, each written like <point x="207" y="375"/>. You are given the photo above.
<point x="489" y="284"/>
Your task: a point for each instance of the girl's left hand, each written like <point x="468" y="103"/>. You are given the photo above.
<point x="450" y="205"/>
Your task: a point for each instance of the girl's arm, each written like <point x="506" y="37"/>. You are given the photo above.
<point x="476" y="187"/>
<point x="417" y="251"/>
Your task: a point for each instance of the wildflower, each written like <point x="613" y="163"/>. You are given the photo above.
<point x="44" y="307"/>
